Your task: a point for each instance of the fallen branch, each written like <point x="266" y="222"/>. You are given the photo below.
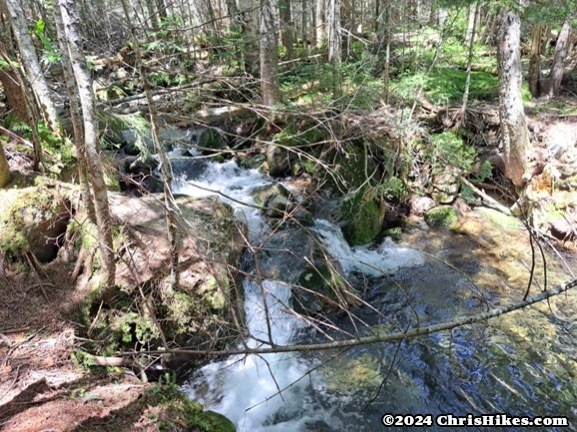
<point x="490" y="202"/>
<point x="377" y="338"/>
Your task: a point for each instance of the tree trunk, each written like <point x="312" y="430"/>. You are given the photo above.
<point x="152" y="15"/>
<point x="469" y="64"/>
<point x="250" y="32"/>
<point x="270" y="92"/>
<point x="320" y="22"/>
<point x="15" y="97"/>
<point x="334" y="42"/>
<point x="4" y="168"/>
<point x="32" y="67"/>
<point x="535" y="60"/>
<point x="71" y="20"/>
<point x="75" y="114"/>
<point x="517" y="149"/>
<point x="287" y="32"/>
<point x="550" y="88"/>
<point x="169" y="203"/>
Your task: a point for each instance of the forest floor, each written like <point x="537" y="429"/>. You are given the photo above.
<point x="42" y="388"/>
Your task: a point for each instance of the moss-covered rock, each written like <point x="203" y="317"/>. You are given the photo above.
<point x="321" y="289"/>
<point x="33" y="219"/>
<point x="171" y="407"/>
<point x="147" y="305"/>
<point x="363" y="219"/>
<point x="441" y="216"/>
<point x="211" y="141"/>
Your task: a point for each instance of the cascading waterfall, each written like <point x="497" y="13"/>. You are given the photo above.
<point x="274" y="392"/>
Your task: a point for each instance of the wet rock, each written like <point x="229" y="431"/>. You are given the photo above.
<point x="210" y="244"/>
<point x="363" y="219"/>
<point x="446" y="186"/>
<point x="278" y="202"/>
<point x="187" y="168"/>
<point x="421" y="204"/>
<point x="278" y="161"/>
<point x="441" y="216"/>
<point x="563" y="229"/>
<point x="211" y="141"/>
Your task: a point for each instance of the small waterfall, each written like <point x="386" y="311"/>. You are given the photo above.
<point x="387" y="258"/>
<point x="275" y="392"/>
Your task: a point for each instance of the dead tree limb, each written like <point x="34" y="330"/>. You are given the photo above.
<point x="376" y="338"/>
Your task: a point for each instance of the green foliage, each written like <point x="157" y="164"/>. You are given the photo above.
<point x="445" y="85"/>
<point x="50" y="52"/>
<point x="392" y="189"/>
<point x="231" y="46"/>
<point x="449" y="149"/>
<point x="61" y="152"/>
<point x="5" y="64"/>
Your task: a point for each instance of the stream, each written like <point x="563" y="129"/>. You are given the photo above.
<point x="521" y="364"/>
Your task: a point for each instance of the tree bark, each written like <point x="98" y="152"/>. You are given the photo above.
<point x="287" y="31"/>
<point x="71" y="21"/>
<point x="320" y="22"/>
<point x="551" y="87"/>
<point x="335" y="43"/>
<point x="535" y="60"/>
<point x="15" y="97"/>
<point x="270" y="92"/>
<point x="517" y="149"/>
<point x="32" y="67"/>
<point x="469" y="65"/>
<point x="250" y="32"/>
<point x="75" y="114"/>
<point x="170" y="205"/>
<point x="4" y="168"/>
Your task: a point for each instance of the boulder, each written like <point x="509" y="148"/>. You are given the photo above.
<point x="363" y="219"/>
<point x="33" y="219"/>
<point x="197" y="310"/>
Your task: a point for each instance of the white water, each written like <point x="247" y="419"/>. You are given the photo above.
<point x="273" y="392"/>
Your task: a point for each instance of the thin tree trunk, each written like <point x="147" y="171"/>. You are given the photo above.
<point x="71" y="20"/>
<point x="535" y="60"/>
<point x="250" y="32"/>
<point x="334" y="42"/>
<point x="32" y="67"/>
<point x="270" y="92"/>
<point x="170" y="205"/>
<point x="287" y="33"/>
<point x="75" y="114"/>
<point x="320" y="22"/>
<point x="552" y="87"/>
<point x="14" y="92"/>
<point x="469" y="64"/>
<point x="517" y="149"/>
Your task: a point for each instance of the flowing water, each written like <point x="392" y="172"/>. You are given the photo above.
<point x="523" y="363"/>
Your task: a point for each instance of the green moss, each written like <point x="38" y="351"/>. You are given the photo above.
<point x="499" y="219"/>
<point x="441" y="216"/>
<point x="174" y="408"/>
<point x="363" y="220"/>
<point x="27" y="216"/>
<point x="324" y="289"/>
